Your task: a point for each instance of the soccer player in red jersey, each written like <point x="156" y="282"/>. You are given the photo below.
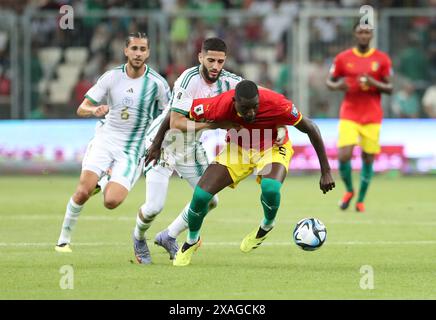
<point x="363" y="73"/>
<point x="257" y="113"/>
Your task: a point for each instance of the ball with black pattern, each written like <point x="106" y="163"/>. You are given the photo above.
<point x="309" y="234"/>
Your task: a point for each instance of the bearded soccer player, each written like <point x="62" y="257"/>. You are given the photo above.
<point x="363" y="73"/>
<point x="188" y="158"/>
<point x="257" y="113"/>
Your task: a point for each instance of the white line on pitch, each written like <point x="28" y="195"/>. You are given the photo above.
<point x="223" y="244"/>
<point x="212" y="220"/>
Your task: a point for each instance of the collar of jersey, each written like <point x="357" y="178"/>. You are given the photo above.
<point x="145" y="72"/>
<point x="363" y="55"/>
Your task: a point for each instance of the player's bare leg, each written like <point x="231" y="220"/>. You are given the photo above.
<point x="87" y="183"/>
<point x="273" y="176"/>
<point x="114" y="195"/>
<point x="345" y="170"/>
<point x="215" y="178"/>
<point x="365" y="178"/>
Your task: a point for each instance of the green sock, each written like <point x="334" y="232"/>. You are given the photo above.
<point x="270" y="200"/>
<point x="197" y="211"/>
<point x="365" y="178"/>
<point x="345" y="172"/>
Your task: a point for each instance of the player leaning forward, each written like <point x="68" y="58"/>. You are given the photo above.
<point x="136" y="94"/>
<point x="257" y="113"/>
<point x="186" y="155"/>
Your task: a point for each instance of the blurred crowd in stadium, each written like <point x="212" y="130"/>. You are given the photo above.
<point x="64" y="65"/>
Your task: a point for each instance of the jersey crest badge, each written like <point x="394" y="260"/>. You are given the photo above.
<point x="127" y="102"/>
<point x="374" y="66"/>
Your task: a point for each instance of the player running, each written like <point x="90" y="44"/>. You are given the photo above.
<point x="185" y="155"/>
<point x="250" y="149"/>
<point x="363" y="73"/>
<point x="136" y="94"/>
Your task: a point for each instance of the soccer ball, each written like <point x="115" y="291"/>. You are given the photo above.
<point x="309" y="234"/>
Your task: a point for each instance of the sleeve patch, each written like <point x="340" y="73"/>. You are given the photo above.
<point x="199" y="110"/>
<point x="332" y="69"/>
<point x="294" y="111"/>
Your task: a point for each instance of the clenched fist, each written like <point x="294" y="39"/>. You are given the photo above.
<point x="100" y="111"/>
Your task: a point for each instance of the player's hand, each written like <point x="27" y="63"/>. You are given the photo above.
<point x="341" y="85"/>
<point x="100" y="111"/>
<point x="367" y="80"/>
<point x="326" y="183"/>
<point x="281" y="136"/>
<point x="370" y="81"/>
<point x="153" y="154"/>
<point x="363" y="79"/>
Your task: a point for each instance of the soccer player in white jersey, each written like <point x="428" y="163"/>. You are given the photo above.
<point x="135" y="95"/>
<point x="208" y="79"/>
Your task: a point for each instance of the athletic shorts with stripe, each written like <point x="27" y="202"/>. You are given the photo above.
<point x="102" y="153"/>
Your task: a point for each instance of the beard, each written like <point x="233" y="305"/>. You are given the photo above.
<point x="135" y="64"/>
<point x="205" y="74"/>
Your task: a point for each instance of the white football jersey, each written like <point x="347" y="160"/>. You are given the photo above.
<point x="191" y="85"/>
<point x="133" y="105"/>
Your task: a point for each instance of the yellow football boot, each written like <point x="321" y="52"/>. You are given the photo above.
<point x="63" y="248"/>
<point x="250" y="241"/>
<point x="183" y="257"/>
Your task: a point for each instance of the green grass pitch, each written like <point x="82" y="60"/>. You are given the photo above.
<point x="396" y="237"/>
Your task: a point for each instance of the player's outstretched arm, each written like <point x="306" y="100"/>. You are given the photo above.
<point x="88" y="109"/>
<point x="307" y="126"/>
<point x="182" y="123"/>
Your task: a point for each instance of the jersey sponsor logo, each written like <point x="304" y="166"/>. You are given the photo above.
<point x="199" y="110"/>
<point x="350" y="65"/>
<point x="374" y="66"/>
<point x="127" y="102"/>
<point x="130" y="90"/>
<point x="179" y="95"/>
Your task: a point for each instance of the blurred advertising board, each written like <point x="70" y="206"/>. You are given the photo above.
<point x="42" y="146"/>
